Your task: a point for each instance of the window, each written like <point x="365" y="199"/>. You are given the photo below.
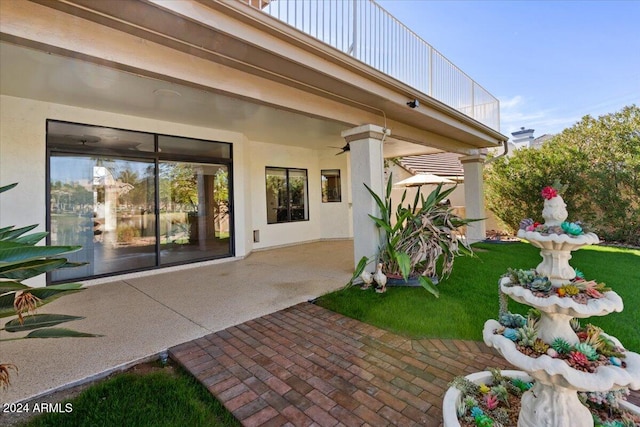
<point x="136" y="200"/>
<point x="331" y="190"/>
<point x="287" y="198"/>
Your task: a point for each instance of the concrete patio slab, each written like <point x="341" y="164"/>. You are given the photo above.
<point x="142" y="317"/>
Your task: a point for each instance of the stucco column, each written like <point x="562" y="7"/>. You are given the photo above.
<point x="474" y="196"/>
<point x="367" y="167"/>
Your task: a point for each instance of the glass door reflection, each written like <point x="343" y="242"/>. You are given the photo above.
<point x="106" y="205"/>
<point x="194" y="211"/>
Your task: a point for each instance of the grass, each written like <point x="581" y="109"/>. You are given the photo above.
<point x="160" y="398"/>
<point x="470" y="295"/>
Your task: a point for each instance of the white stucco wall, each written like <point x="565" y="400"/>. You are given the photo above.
<point x="336" y="217"/>
<point x="326" y="220"/>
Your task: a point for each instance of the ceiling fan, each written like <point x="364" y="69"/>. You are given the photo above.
<point x="344" y="149"/>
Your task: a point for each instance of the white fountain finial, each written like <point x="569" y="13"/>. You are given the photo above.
<point x="555" y="209"/>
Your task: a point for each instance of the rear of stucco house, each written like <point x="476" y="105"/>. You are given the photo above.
<point x="162" y="133"/>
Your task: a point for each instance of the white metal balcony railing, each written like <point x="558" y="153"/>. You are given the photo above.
<point x="366" y="31"/>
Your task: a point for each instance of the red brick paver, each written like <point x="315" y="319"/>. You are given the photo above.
<point x="309" y="366"/>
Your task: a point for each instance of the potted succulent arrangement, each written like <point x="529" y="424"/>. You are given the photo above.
<point x="492" y="398"/>
<point x="421" y="239"/>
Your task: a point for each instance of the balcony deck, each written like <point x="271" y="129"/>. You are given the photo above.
<point x="367" y="32"/>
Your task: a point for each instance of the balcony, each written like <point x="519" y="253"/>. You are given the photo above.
<point x="367" y="32"/>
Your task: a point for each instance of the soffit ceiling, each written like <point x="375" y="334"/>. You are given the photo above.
<point x="33" y="74"/>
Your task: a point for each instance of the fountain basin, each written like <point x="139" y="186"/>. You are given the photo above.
<point x="558" y="372"/>
<point x="556" y="312"/>
<point x="453" y="396"/>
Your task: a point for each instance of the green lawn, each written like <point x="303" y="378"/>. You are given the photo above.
<point x="470" y="295"/>
<point x="161" y="398"/>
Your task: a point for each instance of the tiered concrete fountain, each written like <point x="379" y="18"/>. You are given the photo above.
<point x="553" y="401"/>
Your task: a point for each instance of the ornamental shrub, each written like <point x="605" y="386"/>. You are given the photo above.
<point x="599" y="160"/>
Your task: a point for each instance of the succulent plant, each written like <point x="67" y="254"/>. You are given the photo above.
<point x="491" y="400"/>
<point x="610" y="349"/>
<point x="533" y="313"/>
<point x="470" y="401"/>
<point x="520" y="384"/>
<point x="579" y="358"/>
<point x="570" y="289"/>
<point x="540" y="284"/>
<point x="525" y="223"/>
<point x="476" y="412"/>
<point x="595" y="338"/>
<point x="462" y="409"/>
<point x="513" y="389"/>
<point x="466" y="386"/>
<point x="540" y="346"/>
<point x="511" y="320"/>
<point x="511" y="334"/>
<point x="501" y="416"/>
<point x="501" y="392"/>
<point x="587" y="350"/>
<point x="496" y="375"/>
<point x="484" y="421"/>
<point x="556" y="229"/>
<point x="594" y="293"/>
<point x="561" y="345"/>
<point x="571" y="228"/>
<point x="575" y="324"/>
<point x="525" y="276"/>
<point x="591" y="287"/>
<point x="527" y="336"/>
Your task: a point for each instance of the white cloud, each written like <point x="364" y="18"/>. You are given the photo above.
<point x="510" y="103"/>
<point x="516" y="112"/>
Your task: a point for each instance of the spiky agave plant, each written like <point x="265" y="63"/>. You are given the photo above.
<point x="21" y="259"/>
<point x="422" y="238"/>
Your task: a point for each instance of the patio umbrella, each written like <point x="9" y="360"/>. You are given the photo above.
<point x="423" y="179"/>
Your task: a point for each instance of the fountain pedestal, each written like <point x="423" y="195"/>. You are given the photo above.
<point x="553" y="401"/>
<point x="548" y="405"/>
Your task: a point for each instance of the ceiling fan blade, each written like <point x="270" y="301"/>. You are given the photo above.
<point x="344" y="149"/>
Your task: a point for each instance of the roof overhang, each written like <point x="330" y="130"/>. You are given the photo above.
<point x="231" y="50"/>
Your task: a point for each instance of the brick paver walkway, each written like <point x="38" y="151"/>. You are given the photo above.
<point x="308" y="366"/>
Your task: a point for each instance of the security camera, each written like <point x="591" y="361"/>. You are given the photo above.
<point x="414" y="103"/>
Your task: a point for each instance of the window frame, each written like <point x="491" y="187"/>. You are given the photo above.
<point x="287" y="171"/>
<point x="335" y="199"/>
<point x="156" y="157"/>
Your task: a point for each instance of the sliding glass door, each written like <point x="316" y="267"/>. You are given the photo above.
<point x="107" y="206"/>
<point x="194" y="211"/>
<point x="135" y="200"/>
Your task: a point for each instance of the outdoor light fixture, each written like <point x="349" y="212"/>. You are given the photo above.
<point x="414" y="103"/>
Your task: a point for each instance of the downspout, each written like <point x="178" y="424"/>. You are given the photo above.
<point x="505" y="144"/>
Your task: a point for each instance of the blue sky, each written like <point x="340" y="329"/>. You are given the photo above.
<point x="548" y="62"/>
